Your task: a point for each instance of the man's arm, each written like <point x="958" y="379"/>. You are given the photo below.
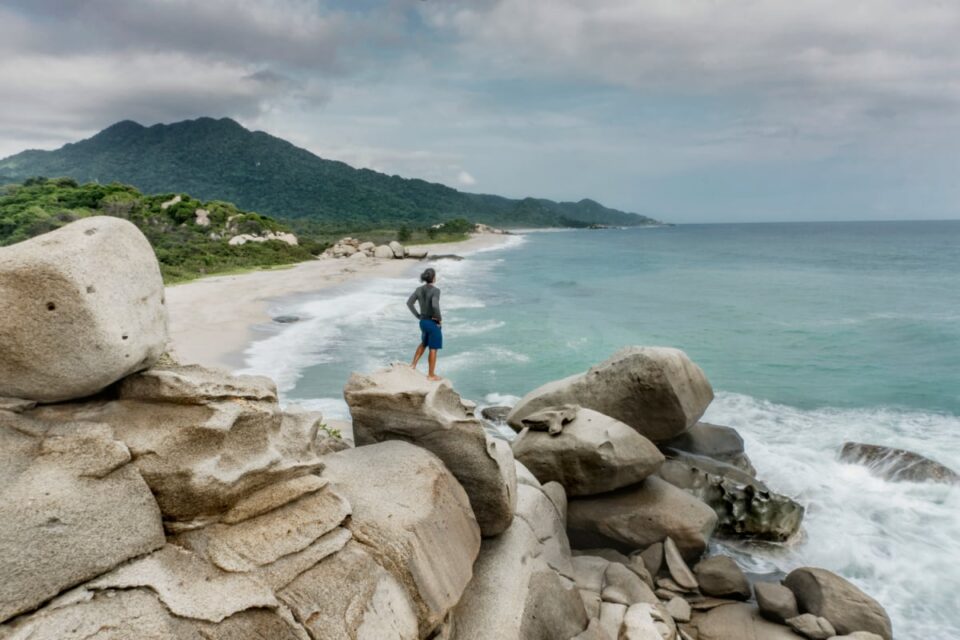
<point x="413" y="309"/>
<point x="435" y="303"/>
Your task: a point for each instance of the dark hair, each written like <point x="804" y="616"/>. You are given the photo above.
<point x="428" y="276"/>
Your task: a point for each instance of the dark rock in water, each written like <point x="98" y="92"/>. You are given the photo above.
<point x="713" y="441"/>
<point x="745" y="506"/>
<point x="825" y="594"/>
<point x="898" y="465"/>
<point x="496" y="414"/>
<point x="286" y="319"/>
<point x="445" y="256"/>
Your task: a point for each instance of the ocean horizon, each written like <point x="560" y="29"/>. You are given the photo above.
<point x="812" y="334"/>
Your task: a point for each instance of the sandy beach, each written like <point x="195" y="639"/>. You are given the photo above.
<point x="211" y="319"/>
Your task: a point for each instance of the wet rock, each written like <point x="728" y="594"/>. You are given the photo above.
<point x="399" y="403"/>
<point x="445" y="256"/>
<point x="593" y="454"/>
<point x="712" y="441"/>
<point x="640" y="515"/>
<point x="721" y="577"/>
<point x="497" y="414"/>
<point x="286" y="319"/>
<point x="657" y="391"/>
<point x="825" y="594"/>
<point x="898" y="465"/>
<point x="551" y="420"/>
<point x="745" y="507"/>
<point x="776" y="602"/>
<point x="70" y="325"/>
<point x="71" y="507"/>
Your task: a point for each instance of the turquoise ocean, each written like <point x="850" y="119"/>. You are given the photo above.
<point x="812" y="334"/>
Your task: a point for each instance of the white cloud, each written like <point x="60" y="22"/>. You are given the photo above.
<point x="466" y="179"/>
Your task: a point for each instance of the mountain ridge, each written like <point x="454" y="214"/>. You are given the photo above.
<point x="220" y="159"/>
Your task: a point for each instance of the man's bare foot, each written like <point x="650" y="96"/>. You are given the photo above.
<point x="434" y="378"/>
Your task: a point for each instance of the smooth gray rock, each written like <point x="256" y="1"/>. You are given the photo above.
<point x="679" y="609"/>
<point x="414" y="518"/>
<point x="678" y="569"/>
<point x="653" y="558"/>
<point x="396" y="248"/>
<point x="897" y="465"/>
<point x="634" y="562"/>
<point x="858" y="635"/>
<point x="592" y="454"/>
<point x="811" y="626"/>
<point x="399" y="403"/>
<point x="656" y="390"/>
<point x="497" y="414"/>
<point x="745" y="506"/>
<point x="193" y="384"/>
<point x="712" y="441"/>
<point x="71" y="507"/>
<point x="383" y="252"/>
<point x="738" y="621"/>
<point x="825" y="594"/>
<point x="640" y="515"/>
<point x="80" y="308"/>
<point x="776" y="602"/>
<point x="721" y="577"/>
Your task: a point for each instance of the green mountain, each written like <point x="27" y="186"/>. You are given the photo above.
<point x="191" y="238"/>
<point x="219" y="159"/>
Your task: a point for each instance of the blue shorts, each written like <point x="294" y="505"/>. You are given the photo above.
<point x="430" y="334"/>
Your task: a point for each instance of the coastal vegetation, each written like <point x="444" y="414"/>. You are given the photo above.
<point x="221" y="160"/>
<point x="187" y="245"/>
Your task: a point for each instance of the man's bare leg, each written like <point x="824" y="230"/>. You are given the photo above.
<point x="432" y="359"/>
<point x="417" y="356"/>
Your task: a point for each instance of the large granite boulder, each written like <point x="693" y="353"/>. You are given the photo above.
<point x="712" y="441"/>
<point x="640" y="515"/>
<point x="422" y="529"/>
<point x="200" y="456"/>
<point x="400" y="403"/>
<point x="738" y="622"/>
<point x="776" y="602"/>
<point x="898" y="465"/>
<point x="745" y="506"/>
<point x="194" y="384"/>
<point x="521" y="587"/>
<point x="70" y="325"/>
<point x="592" y="454"/>
<point x="825" y="594"/>
<point x="658" y="391"/>
<point x="71" y="507"/>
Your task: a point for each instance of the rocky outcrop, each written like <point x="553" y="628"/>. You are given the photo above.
<point x="592" y="454"/>
<point x="657" y="391"/>
<point x="210" y="452"/>
<point x="400" y="403"/>
<point x="898" y="465"/>
<point x="352" y="247"/>
<point x="745" y="506"/>
<point x="712" y="441"/>
<point x="71" y="507"/>
<point x="640" y="515"/>
<point x="429" y="545"/>
<point x="267" y="236"/>
<point x="827" y="595"/>
<point x="69" y="325"/>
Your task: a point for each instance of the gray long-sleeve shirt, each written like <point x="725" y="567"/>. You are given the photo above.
<point x="428" y="297"/>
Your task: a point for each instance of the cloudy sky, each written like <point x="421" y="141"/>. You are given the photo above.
<point x="690" y="111"/>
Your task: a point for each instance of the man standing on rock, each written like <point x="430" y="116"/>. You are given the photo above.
<point x="427" y="296"/>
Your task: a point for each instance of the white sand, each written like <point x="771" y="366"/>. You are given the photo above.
<point x="211" y="319"/>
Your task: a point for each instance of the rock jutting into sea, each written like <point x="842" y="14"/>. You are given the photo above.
<point x="163" y="501"/>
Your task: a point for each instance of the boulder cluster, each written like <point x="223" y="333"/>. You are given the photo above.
<point x="160" y="501"/>
<point x="354" y="248"/>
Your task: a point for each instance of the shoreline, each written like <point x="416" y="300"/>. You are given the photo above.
<point x="212" y="319"/>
